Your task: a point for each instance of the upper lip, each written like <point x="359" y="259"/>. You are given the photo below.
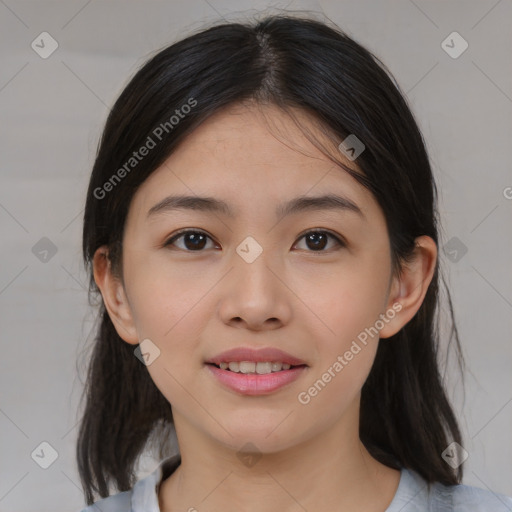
<point x="254" y="355"/>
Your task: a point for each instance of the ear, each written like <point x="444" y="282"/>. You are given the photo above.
<point x="114" y="296"/>
<point x="408" y="290"/>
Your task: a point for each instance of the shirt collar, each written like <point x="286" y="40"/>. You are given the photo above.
<point x="145" y="491"/>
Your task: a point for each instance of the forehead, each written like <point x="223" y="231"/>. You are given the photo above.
<point x="253" y="158"/>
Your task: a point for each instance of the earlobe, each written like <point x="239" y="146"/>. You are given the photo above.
<point x="114" y="296"/>
<point x="409" y="289"/>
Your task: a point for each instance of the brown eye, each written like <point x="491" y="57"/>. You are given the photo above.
<point x="193" y="241"/>
<point x="318" y="240"/>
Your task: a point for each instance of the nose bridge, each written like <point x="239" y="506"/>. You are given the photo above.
<point x="253" y="262"/>
<point x="254" y="294"/>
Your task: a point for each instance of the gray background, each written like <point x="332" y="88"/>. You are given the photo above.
<point x="52" y="112"/>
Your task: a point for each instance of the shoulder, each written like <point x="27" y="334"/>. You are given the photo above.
<point x="121" y="502"/>
<point x="465" y="498"/>
<point x="414" y="494"/>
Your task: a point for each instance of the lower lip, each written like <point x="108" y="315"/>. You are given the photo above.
<point x="255" y="384"/>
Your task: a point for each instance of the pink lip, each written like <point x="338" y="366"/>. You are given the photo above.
<point x="254" y="355"/>
<point x="254" y="384"/>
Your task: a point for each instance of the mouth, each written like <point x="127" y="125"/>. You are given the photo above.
<point x="249" y="371"/>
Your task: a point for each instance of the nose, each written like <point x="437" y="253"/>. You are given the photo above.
<point x="254" y="296"/>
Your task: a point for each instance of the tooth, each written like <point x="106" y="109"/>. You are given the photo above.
<point x="262" y="368"/>
<point x="234" y="367"/>
<point x="246" y="367"/>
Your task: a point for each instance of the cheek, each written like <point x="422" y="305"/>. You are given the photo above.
<point x="349" y="302"/>
<point x="167" y="299"/>
<point x="169" y="311"/>
<point x="346" y="300"/>
<point x="344" y="356"/>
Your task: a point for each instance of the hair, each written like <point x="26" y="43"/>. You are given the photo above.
<point x="406" y="419"/>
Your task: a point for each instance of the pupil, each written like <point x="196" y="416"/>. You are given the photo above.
<point x="197" y="240"/>
<point x="312" y="237"/>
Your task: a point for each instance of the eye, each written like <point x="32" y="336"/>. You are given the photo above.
<point x="195" y="240"/>
<point x="318" y="239"/>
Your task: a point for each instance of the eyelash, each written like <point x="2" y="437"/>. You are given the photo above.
<point x="180" y="233"/>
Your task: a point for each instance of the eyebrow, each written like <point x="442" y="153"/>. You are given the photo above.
<point x="294" y="206"/>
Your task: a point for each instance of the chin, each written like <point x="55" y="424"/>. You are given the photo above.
<point x="264" y="439"/>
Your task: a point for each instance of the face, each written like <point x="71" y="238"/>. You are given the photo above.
<point x="308" y="282"/>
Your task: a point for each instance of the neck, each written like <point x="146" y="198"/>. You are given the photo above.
<point x="331" y="471"/>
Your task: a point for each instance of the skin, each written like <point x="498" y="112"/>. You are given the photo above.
<point x="312" y="304"/>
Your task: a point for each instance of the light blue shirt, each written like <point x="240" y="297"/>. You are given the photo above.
<point x="412" y="495"/>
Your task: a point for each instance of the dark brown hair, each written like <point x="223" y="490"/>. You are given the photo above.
<point x="294" y="63"/>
